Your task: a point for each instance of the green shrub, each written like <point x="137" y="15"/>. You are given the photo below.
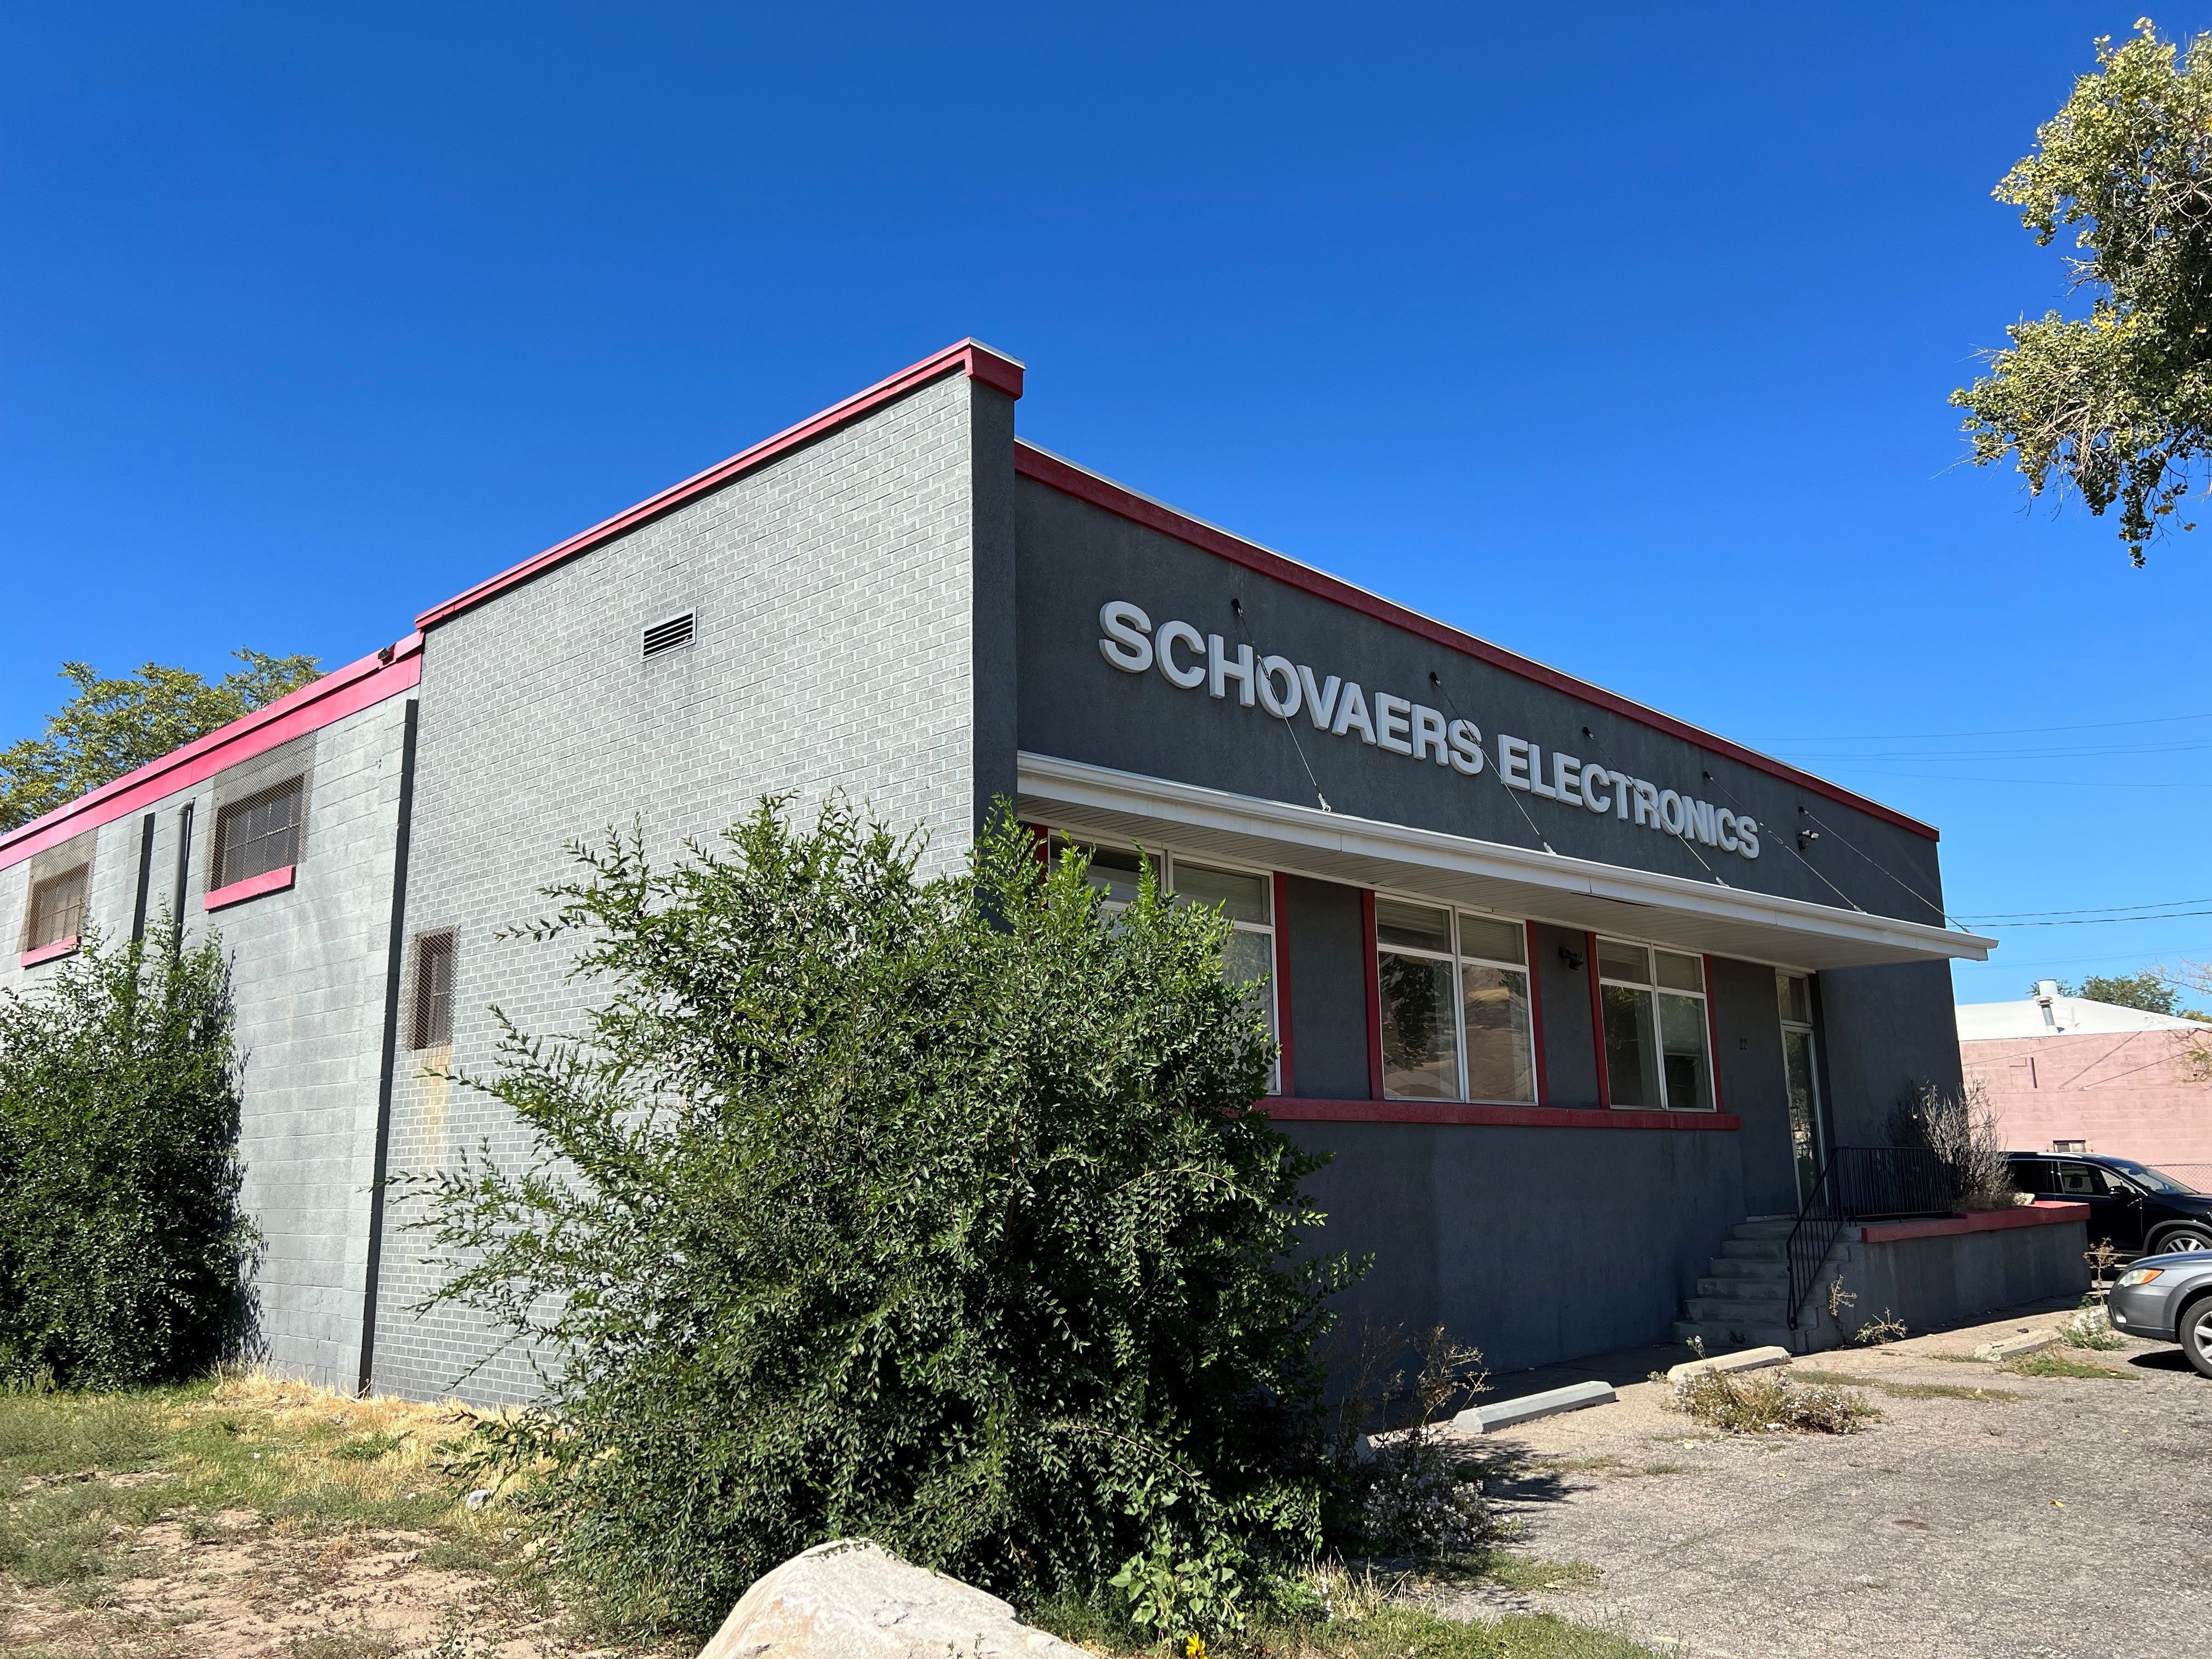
<point x="938" y="1212"/>
<point x="123" y="1252"/>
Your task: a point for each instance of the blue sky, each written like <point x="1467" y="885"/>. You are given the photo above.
<point x="1619" y="336"/>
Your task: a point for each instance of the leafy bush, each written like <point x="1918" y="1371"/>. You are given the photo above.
<point x="1403" y="1486"/>
<point x="1769" y="1401"/>
<point x="1961" y="1130"/>
<point x="2090" y="1328"/>
<point x="123" y="1252"/>
<point x="935" y="1211"/>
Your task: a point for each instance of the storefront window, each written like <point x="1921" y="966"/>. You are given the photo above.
<point x="1657" y="1056"/>
<point x="1246" y="899"/>
<point x="1800" y="1077"/>
<point x="1456" y="1016"/>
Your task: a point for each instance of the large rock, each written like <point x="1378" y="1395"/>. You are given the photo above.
<point x="852" y="1600"/>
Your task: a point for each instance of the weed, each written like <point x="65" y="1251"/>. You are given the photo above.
<point x="1908" y="1390"/>
<point x="1876" y="1332"/>
<point x="2047" y="1363"/>
<point x="2090" y="1330"/>
<point x="368" y="1448"/>
<point x="344" y="1644"/>
<point x="1619" y="1467"/>
<point x="1765" y="1402"/>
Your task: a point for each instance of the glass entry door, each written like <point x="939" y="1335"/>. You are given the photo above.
<point x="1801" y="1074"/>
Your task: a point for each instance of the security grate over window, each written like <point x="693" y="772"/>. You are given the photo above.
<point x="668" y="635"/>
<point x="260" y="833"/>
<point x="430" y="999"/>
<point x="57" y="908"/>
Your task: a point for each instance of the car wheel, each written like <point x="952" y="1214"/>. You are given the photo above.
<point x="2196" y="1334"/>
<point x="2173" y="1239"/>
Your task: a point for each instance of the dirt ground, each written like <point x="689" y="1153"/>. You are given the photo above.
<point x="258" y="1519"/>
<point x="1991" y="1515"/>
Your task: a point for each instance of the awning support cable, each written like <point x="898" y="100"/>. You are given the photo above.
<point x="1788" y="844"/>
<point x="1492" y="767"/>
<point x="1236" y="608"/>
<point x="1618" y="774"/>
<point x="1827" y="828"/>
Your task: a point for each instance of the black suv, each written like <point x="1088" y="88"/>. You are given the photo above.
<point x="2143" y="1211"/>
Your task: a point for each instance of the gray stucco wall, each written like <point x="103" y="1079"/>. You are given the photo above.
<point x="308" y="976"/>
<point x="1076" y="556"/>
<point x="1326" y="931"/>
<point x="852" y="602"/>
<point x="1534" y="1244"/>
<point x="1884" y="1031"/>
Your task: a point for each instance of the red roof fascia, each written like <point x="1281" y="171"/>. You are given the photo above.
<point x="339" y="693"/>
<point x="1072" y="480"/>
<point x="969" y="357"/>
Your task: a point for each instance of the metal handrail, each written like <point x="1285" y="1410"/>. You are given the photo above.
<point x="1862" y="1183"/>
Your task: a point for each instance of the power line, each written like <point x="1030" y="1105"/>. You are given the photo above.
<point x="2089" y="910"/>
<point x="2001" y="731"/>
<point x="2094" y="921"/>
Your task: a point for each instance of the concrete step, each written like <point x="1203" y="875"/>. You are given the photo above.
<point x="1723" y="1336"/>
<point x="1775" y="1289"/>
<point x="1735" y="1310"/>
<point x="1766" y="1226"/>
<point x="1754" y="1249"/>
<point x="1760" y="1268"/>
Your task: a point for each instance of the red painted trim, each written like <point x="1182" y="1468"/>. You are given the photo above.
<point x="1598" y="1021"/>
<point x="1713" y="1036"/>
<point x="1040" y="840"/>
<point x="270" y="881"/>
<point x="1501" y="1117"/>
<point x="2040" y="1214"/>
<point x="342" y="692"/>
<point x="1056" y="474"/>
<point x="1536" y="1015"/>
<point x="1374" y="996"/>
<point x="968" y="357"/>
<point x="1282" y="905"/>
<point x="60" y="947"/>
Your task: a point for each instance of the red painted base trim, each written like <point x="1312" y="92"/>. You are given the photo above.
<point x="270" y="881"/>
<point x="1501" y="1117"/>
<point x="1980" y="1221"/>
<point x="60" y="947"/>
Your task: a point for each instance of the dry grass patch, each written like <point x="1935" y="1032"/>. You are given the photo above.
<point x="1907" y="1390"/>
<point x="251" y="1517"/>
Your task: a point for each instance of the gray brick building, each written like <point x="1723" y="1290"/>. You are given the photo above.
<point x="1499" y="910"/>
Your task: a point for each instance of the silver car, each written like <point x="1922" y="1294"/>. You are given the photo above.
<point x="2168" y="1298"/>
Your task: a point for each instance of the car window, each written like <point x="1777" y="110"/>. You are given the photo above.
<point x="2079" y="1181"/>
<point x="2032" y="1175"/>
<point x="2159" y="1181"/>
<point x="2116" y="1183"/>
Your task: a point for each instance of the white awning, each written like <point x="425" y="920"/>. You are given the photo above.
<point x="1099" y="802"/>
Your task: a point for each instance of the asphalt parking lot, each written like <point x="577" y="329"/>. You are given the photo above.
<point x="1989" y="1515"/>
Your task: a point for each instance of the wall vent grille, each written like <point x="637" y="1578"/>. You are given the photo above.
<point x="670" y="635"/>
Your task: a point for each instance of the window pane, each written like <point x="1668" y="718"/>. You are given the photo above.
<point x="1500" y="1065"/>
<point x="1414" y="925"/>
<point x="1242" y="895"/>
<point x="1421" y="1046"/>
<point x="1628" y="962"/>
<point x="1631" y="1062"/>
<point x="1683" y="1038"/>
<point x="1490" y="939"/>
<point x="1804" y="1119"/>
<point x="1794" y="995"/>
<point x="1113" y="869"/>
<point x="1680" y="973"/>
<point x="58" y="909"/>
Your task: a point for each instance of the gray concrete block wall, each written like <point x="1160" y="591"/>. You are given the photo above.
<point x="308" y="967"/>
<point x="836" y="594"/>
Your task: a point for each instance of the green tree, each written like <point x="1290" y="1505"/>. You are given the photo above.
<point x="122" y="1251"/>
<point x="2117" y="404"/>
<point x="936" y="1211"/>
<point x="111" y="726"/>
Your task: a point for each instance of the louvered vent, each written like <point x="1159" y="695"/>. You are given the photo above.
<point x="670" y="635"/>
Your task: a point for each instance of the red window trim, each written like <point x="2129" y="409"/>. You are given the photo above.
<point x="1374" y="995"/>
<point x="269" y="881"/>
<point x="1281" y="885"/>
<point x="1713" y="1035"/>
<point x="1536" y="1015"/>
<point x="1462" y="1114"/>
<point x="60" y="947"/>
<point x="1597" y="1022"/>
